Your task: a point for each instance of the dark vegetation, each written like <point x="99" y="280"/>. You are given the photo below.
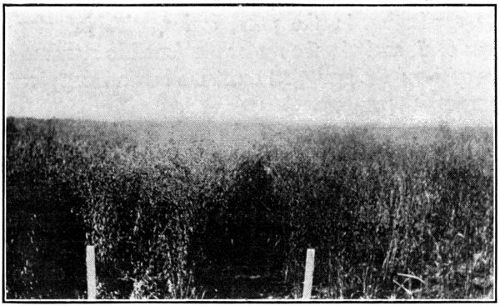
<point x="211" y="210"/>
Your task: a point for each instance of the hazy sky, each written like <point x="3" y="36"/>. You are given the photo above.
<point x="387" y="65"/>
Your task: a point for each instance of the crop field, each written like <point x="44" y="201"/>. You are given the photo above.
<point x="192" y="210"/>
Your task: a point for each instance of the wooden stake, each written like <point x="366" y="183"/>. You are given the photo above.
<point x="308" y="275"/>
<point x="91" y="278"/>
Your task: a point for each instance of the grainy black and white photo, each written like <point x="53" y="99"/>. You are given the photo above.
<point x="240" y="152"/>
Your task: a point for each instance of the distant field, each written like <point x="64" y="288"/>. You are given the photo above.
<point x="227" y="210"/>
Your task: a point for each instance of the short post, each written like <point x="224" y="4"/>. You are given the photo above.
<point x="308" y="275"/>
<point x="91" y="279"/>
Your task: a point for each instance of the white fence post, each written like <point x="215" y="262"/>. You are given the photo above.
<point x="91" y="278"/>
<point x="308" y="275"/>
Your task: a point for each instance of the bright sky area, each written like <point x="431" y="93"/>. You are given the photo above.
<point x="378" y="65"/>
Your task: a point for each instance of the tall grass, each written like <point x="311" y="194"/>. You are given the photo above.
<point x="182" y="210"/>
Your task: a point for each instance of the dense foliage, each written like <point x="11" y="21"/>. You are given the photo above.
<point x="205" y="209"/>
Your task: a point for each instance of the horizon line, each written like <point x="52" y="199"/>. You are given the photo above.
<point x="428" y="124"/>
